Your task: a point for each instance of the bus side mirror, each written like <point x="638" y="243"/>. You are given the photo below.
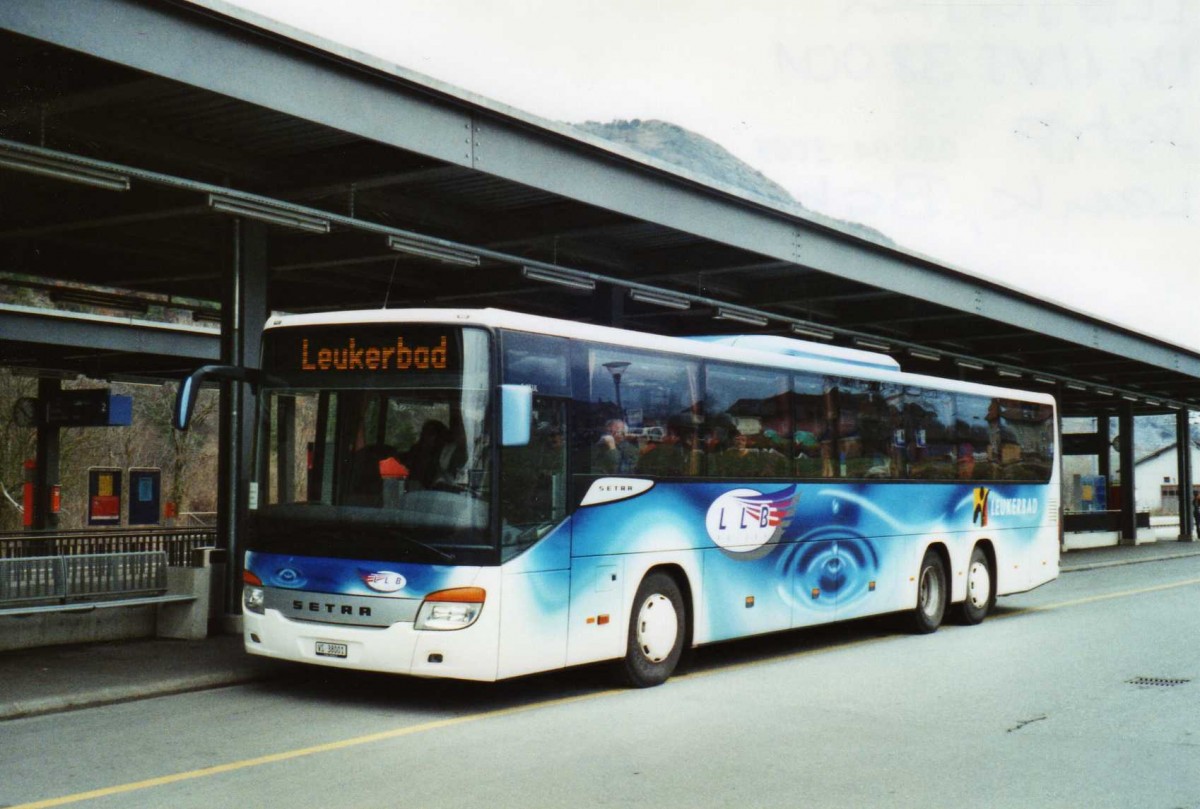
<point x="189" y="389"/>
<point x="516" y="415"/>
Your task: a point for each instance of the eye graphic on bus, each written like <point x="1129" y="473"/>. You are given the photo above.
<point x="290" y="577"/>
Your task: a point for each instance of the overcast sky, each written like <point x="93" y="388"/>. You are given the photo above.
<point x="1051" y="146"/>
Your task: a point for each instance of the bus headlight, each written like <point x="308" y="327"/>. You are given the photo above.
<point x="456" y="608"/>
<point x="252" y="598"/>
<point x="253" y="595"/>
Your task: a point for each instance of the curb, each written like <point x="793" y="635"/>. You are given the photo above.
<point x="1095" y="565"/>
<point x="114" y="695"/>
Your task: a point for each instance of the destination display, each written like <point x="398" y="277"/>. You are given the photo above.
<point x="364" y="350"/>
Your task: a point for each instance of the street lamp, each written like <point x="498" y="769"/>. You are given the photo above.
<point x="616" y="369"/>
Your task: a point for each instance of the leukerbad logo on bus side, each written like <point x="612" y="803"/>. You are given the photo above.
<point x="744" y="520"/>
<point x="986" y="504"/>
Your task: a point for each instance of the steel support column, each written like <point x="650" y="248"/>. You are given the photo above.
<point x="47" y="472"/>
<point x="1104" y="455"/>
<point x="1183" y="454"/>
<point x="243" y="312"/>
<point x="1128" y="490"/>
<point x="607" y="305"/>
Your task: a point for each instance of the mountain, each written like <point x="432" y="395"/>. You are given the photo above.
<point x="681" y="147"/>
<point x="1152" y="433"/>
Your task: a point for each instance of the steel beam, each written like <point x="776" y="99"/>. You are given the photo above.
<point x="221" y="49"/>
<point x="105" y="333"/>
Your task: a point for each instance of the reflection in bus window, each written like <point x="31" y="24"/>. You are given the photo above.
<point x="748" y="429"/>
<point x="812" y="439"/>
<point x="533" y="488"/>
<point x="1025" y="439"/>
<point x="929" y="424"/>
<point x="657" y="401"/>
<point x="865" y="429"/>
<point x="973" y="438"/>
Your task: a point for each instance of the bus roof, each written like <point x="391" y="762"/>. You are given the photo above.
<point x="791" y="354"/>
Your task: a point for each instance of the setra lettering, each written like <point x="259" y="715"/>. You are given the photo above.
<point x="340" y="609"/>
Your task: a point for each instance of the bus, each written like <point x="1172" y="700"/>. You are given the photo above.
<point x="481" y="494"/>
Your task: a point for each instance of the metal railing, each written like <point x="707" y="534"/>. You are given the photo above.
<point x="84" y="577"/>
<point x="176" y="543"/>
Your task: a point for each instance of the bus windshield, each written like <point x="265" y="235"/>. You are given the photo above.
<point x="374" y="443"/>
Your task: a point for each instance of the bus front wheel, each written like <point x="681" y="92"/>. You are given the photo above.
<point x="931" y="594"/>
<point x="657" y="626"/>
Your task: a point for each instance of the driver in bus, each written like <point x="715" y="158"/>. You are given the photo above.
<point x="424" y="459"/>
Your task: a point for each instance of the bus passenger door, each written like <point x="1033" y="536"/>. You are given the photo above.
<point x="535" y="544"/>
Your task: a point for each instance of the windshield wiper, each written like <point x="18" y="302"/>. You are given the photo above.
<point x="444" y="555"/>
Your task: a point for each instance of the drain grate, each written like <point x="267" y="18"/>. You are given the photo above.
<point x="1163" y="682"/>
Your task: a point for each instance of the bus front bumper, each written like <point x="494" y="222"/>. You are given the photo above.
<point x="467" y="654"/>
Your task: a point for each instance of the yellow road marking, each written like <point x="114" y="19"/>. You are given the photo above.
<point x="438" y="724"/>
<point x="302" y="752"/>
<point x="1103" y="597"/>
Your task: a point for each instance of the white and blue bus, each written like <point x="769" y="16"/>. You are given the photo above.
<point x="481" y="494"/>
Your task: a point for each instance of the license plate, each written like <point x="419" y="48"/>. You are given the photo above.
<point x="331" y="649"/>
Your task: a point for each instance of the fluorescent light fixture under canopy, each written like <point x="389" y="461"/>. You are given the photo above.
<point x="269" y="213"/>
<point x="737" y="316"/>
<point x="560" y="278"/>
<point x="63" y="170"/>
<point x="660" y="299"/>
<point x="439" y="252"/>
<point x="811" y="332"/>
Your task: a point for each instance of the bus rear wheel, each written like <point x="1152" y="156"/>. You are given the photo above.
<point x="657" y="626"/>
<point x="931" y="594"/>
<point x="981" y="595"/>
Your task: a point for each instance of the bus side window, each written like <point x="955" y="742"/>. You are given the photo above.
<point x="973" y="430"/>
<point x="749" y="425"/>
<point x="533" y="491"/>
<point x="1024" y="436"/>
<point x="932" y="451"/>
<point x="812" y="451"/>
<point x="533" y="485"/>
<point x="655" y="399"/>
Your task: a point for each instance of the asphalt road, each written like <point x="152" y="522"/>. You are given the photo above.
<point x="1085" y="693"/>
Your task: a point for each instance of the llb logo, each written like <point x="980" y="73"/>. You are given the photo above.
<point x="744" y="520"/>
<point x="384" y="581"/>
<point x="980" y="514"/>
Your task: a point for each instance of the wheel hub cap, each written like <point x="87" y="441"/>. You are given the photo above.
<point x="931" y="592"/>
<point x="979" y="585"/>
<point x="657" y="628"/>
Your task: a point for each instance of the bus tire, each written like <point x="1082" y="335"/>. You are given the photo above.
<point x="657" y="626"/>
<point x="931" y="594"/>
<point x="981" y="591"/>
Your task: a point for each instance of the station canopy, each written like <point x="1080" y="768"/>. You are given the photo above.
<point x="134" y="135"/>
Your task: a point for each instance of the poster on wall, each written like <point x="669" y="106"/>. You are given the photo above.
<point x="104" y="496"/>
<point x="145" y="496"/>
<point x="1093" y="491"/>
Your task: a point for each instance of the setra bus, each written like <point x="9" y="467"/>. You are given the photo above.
<point x="481" y="494"/>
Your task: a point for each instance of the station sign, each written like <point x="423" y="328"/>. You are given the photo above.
<point x="88" y="408"/>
